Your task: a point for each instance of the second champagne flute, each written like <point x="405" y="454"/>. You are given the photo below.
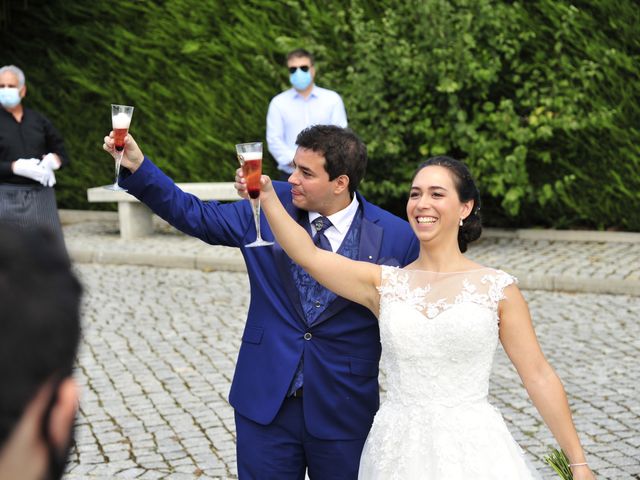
<point x="120" y="121"/>
<point x="250" y="158"/>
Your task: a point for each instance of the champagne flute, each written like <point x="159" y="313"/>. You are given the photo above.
<point x="120" y="121"/>
<point x="250" y="158"/>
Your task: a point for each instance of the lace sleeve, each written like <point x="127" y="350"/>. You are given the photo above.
<point x="498" y="282"/>
<point x="388" y="277"/>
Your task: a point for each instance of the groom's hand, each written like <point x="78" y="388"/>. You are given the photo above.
<point x="132" y="156"/>
<point x="241" y="184"/>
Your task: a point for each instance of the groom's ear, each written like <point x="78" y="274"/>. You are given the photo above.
<point x="341" y="184"/>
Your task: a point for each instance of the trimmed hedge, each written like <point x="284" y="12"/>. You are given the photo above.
<point x="540" y="98"/>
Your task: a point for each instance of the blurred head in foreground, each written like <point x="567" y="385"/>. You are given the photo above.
<point x="39" y="335"/>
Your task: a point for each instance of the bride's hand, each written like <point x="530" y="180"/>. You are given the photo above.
<point x="582" y="472"/>
<point x="266" y="188"/>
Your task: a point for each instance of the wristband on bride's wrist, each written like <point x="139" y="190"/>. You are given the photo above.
<point x="582" y="464"/>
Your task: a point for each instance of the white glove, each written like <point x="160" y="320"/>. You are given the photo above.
<point x="51" y="179"/>
<point x="31" y="168"/>
<point x="49" y="160"/>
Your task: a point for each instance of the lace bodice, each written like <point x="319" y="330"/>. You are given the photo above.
<point x="439" y="333"/>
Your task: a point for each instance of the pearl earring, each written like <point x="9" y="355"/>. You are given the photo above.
<point x="460" y="222"/>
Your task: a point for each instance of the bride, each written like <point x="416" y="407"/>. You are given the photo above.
<point x="440" y="318"/>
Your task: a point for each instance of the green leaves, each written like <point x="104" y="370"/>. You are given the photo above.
<point x="541" y="99"/>
<point x="558" y="460"/>
<point x="513" y="89"/>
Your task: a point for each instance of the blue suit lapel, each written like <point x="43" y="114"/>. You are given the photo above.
<point x="282" y="262"/>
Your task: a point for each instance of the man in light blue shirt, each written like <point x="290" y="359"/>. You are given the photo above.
<point x="295" y="109"/>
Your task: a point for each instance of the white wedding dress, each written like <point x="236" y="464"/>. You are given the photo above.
<point x="439" y="333"/>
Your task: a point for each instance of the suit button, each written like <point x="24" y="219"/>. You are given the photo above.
<point x="307" y="336"/>
<point x="317" y="304"/>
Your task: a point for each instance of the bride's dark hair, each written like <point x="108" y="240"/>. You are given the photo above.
<point x="467" y="190"/>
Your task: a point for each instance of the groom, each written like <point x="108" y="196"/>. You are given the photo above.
<point x="305" y="388"/>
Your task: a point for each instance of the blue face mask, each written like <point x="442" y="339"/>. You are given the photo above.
<point x="300" y="80"/>
<point x="9" y="97"/>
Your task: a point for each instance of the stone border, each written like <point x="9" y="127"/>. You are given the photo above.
<point x="198" y="261"/>
<point x="564" y="283"/>
<point x="562" y="235"/>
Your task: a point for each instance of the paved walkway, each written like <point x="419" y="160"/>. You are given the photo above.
<point x="159" y="348"/>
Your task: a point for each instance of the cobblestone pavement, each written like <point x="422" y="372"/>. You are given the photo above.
<point x="159" y="348"/>
<point x="611" y="260"/>
<point x="587" y="266"/>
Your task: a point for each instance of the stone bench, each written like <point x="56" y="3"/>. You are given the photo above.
<point x="136" y="219"/>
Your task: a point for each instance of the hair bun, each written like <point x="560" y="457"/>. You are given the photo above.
<point x="470" y="231"/>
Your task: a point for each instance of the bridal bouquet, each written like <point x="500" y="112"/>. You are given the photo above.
<point x="558" y="460"/>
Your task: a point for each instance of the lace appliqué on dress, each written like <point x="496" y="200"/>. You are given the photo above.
<point x="395" y="286"/>
<point x="416" y="288"/>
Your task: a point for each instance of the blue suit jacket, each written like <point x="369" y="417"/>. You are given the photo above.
<point x="341" y="357"/>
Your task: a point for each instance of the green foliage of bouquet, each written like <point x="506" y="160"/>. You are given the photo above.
<point x="558" y="460"/>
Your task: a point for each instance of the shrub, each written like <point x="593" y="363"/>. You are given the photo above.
<point x="539" y="98"/>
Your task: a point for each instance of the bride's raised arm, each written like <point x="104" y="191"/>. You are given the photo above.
<point x="351" y="279"/>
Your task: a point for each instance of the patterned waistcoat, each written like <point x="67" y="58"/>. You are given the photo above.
<point x="313" y="296"/>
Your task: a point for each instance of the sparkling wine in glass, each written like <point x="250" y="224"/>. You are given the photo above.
<point x="250" y="158"/>
<point x="120" y="121"/>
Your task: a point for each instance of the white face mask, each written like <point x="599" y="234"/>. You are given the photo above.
<point x="9" y="97"/>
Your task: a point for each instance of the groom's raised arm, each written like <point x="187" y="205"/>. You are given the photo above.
<point x="211" y="221"/>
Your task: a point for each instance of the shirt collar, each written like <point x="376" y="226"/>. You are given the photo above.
<point x="314" y="92"/>
<point x="342" y="219"/>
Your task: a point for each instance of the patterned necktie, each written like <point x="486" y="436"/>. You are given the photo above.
<point x="320" y="239"/>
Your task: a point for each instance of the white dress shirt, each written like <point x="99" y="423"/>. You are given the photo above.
<point x="290" y="113"/>
<point x="340" y="223"/>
